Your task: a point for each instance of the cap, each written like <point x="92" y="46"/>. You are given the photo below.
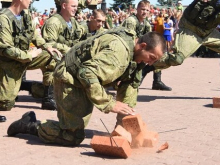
<point x="179" y="2"/>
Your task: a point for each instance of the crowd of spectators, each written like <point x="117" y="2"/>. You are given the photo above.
<point x="114" y="18"/>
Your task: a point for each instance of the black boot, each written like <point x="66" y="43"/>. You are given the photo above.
<point x="158" y="84"/>
<point x="48" y="102"/>
<point x="2" y="118"/>
<point x="26" y="125"/>
<point x="26" y="86"/>
<point x="147" y="69"/>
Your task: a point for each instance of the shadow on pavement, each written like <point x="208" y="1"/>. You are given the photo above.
<point x="93" y="154"/>
<point x="27" y="106"/>
<point x="147" y="98"/>
<point x="208" y="105"/>
<point x="29" y="98"/>
<point x="90" y="133"/>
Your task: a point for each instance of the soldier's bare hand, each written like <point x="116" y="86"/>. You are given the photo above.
<point x="53" y="50"/>
<point x="35" y="52"/>
<point x="122" y="108"/>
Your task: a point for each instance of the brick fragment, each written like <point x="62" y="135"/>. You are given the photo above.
<point x="150" y="139"/>
<point x="133" y="124"/>
<point x="120" y="131"/>
<point x="106" y="146"/>
<point x="216" y="102"/>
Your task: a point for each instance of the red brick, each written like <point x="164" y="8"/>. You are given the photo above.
<point x="133" y="124"/>
<point x="106" y="146"/>
<point x="138" y="140"/>
<point x="150" y="139"/>
<point x="144" y="126"/>
<point x="120" y="131"/>
<point x="216" y="102"/>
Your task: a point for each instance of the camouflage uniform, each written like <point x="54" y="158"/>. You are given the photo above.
<point x="133" y="23"/>
<point x="197" y="27"/>
<point x="15" y="38"/>
<point x="79" y="81"/>
<point x="56" y="32"/>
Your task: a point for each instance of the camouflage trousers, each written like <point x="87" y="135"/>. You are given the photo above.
<point x="74" y="110"/>
<point x="186" y="43"/>
<point x="11" y="72"/>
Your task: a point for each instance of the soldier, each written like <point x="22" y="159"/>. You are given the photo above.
<point x="16" y="33"/>
<point x="95" y="24"/>
<point x="141" y="26"/>
<point x="61" y="31"/>
<point x="196" y="27"/>
<point x="79" y="80"/>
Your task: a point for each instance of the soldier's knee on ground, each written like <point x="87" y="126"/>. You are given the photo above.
<point x="7" y="105"/>
<point x="50" y="132"/>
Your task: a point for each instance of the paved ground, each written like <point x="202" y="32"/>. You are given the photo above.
<point x="183" y="117"/>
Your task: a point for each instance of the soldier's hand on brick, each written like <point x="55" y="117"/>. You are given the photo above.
<point x="122" y="108"/>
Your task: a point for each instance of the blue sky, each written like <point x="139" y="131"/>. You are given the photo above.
<point x="47" y="4"/>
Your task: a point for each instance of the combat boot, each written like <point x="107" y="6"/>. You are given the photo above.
<point x="158" y="84"/>
<point x="2" y="118"/>
<point x="26" y="86"/>
<point x="48" y="101"/>
<point x="26" y="125"/>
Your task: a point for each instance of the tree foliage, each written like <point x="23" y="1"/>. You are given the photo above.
<point x="167" y="2"/>
<point x="122" y="4"/>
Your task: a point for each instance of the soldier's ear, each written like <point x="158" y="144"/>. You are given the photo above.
<point x="92" y="17"/>
<point x="64" y="5"/>
<point x="143" y="45"/>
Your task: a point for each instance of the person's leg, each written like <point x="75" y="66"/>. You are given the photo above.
<point x="212" y="41"/>
<point x="35" y="88"/>
<point x="10" y="78"/>
<point x="45" y="62"/>
<point x="186" y="43"/>
<point x="157" y="83"/>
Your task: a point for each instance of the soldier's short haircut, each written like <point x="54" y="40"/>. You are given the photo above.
<point x="143" y="2"/>
<point x="63" y="1"/>
<point x="98" y="11"/>
<point x="153" y="39"/>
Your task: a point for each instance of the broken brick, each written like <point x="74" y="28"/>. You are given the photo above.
<point x="138" y="140"/>
<point x="105" y="145"/>
<point x="120" y="131"/>
<point x="133" y="124"/>
<point x="150" y="139"/>
<point x="216" y="102"/>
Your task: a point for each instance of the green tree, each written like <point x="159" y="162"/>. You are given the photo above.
<point x="167" y="2"/>
<point x="122" y="4"/>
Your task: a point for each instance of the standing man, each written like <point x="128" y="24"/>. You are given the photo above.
<point x="139" y="24"/>
<point x="17" y="32"/>
<point x="62" y="31"/>
<point x="80" y="78"/>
